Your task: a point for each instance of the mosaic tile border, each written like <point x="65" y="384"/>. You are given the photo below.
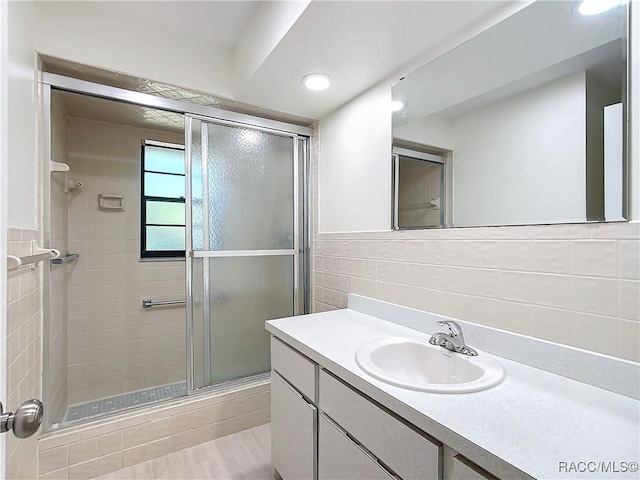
<point x="83" y="411"/>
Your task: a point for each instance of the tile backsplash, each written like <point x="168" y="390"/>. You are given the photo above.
<point x="577" y="285"/>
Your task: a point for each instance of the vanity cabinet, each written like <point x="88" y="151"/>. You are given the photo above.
<point x="294" y="415"/>
<point x="408" y="453"/>
<point x="464" y="469"/>
<point x="341" y="458"/>
<point x="324" y="429"/>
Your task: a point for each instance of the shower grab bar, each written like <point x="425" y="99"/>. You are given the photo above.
<point x="151" y="303"/>
<point x="68" y="258"/>
<point x="38" y="255"/>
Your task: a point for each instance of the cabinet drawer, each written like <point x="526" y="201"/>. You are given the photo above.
<point x="297" y="369"/>
<point x="405" y="451"/>
<point x="339" y="458"/>
<point x="293" y="432"/>
<point x="463" y="469"/>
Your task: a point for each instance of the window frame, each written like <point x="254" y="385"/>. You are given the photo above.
<point x="157" y="254"/>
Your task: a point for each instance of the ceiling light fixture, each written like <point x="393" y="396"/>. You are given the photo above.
<point x="595" y="7"/>
<point x="316" y="81"/>
<point x="397" y="105"/>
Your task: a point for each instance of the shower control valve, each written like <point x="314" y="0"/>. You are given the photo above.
<point x="25" y="422"/>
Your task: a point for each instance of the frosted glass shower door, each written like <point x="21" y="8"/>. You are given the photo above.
<point x="243" y="260"/>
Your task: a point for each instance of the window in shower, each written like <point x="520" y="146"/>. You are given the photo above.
<point x="163" y="200"/>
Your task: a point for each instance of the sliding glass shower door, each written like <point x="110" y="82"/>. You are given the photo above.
<point x="245" y="254"/>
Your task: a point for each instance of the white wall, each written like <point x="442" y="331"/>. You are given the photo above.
<point x="522" y="160"/>
<point x="22" y="108"/>
<point x="434" y="130"/>
<point x="21" y="364"/>
<point x="3" y="211"/>
<point x="355" y="164"/>
<point x="102" y="38"/>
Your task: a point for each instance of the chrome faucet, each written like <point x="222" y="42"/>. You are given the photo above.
<point x="454" y="340"/>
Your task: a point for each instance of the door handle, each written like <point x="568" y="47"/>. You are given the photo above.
<point x="25" y="422"/>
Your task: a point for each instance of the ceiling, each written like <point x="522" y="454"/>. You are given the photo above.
<point x="110" y="111"/>
<point x="218" y="22"/>
<point x="272" y="44"/>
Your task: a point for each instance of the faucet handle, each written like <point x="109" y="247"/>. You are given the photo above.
<point x="454" y="328"/>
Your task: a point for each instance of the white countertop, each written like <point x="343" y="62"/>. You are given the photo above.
<point x="533" y="420"/>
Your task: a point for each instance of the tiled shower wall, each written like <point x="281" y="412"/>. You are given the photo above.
<point x="577" y="285"/>
<point x="115" y="345"/>
<point x="58" y="279"/>
<point x="24" y="358"/>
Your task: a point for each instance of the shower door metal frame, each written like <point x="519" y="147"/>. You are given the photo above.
<point x="301" y="246"/>
<point x="45" y="211"/>
<point x="398" y="152"/>
<point x="50" y="81"/>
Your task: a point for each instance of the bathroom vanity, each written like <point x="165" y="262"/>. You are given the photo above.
<point x="331" y="420"/>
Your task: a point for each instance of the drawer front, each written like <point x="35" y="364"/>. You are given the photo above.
<point x="339" y="458"/>
<point x="463" y="469"/>
<point x="405" y="451"/>
<point x="297" y="369"/>
<point x="293" y="432"/>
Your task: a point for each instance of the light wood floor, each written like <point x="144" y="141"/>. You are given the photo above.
<point x="244" y="455"/>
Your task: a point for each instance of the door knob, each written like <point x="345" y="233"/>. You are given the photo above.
<point x="25" y="422"/>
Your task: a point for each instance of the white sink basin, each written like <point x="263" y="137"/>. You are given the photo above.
<point x="415" y="364"/>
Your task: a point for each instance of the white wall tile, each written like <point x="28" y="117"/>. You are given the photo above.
<point x="629" y="306"/>
<point x="53" y="459"/>
<point x="551" y="290"/>
<point x="590" y="332"/>
<point x="594" y="295"/>
<point x="83" y="451"/>
<point x="109" y="443"/>
<point x="629" y="259"/>
<point x="597" y="258"/>
<point x="133" y="456"/>
<point x="24" y="354"/>
<point x="550" y="256"/>
<point x="629" y="331"/>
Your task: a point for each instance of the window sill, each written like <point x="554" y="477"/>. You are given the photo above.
<point x="161" y="259"/>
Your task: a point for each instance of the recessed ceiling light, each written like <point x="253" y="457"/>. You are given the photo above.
<point x="594" y="7"/>
<point x="316" y="81"/>
<point x="397" y="105"/>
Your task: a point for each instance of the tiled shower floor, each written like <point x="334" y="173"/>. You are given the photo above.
<point x="83" y="411"/>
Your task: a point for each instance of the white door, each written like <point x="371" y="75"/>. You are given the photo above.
<point x="3" y="215"/>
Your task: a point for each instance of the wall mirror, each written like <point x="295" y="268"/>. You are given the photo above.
<point x="528" y="120"/>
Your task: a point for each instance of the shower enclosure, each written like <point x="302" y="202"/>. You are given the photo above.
<point x="245" y="259"/>
<point x="245" y="233"/>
